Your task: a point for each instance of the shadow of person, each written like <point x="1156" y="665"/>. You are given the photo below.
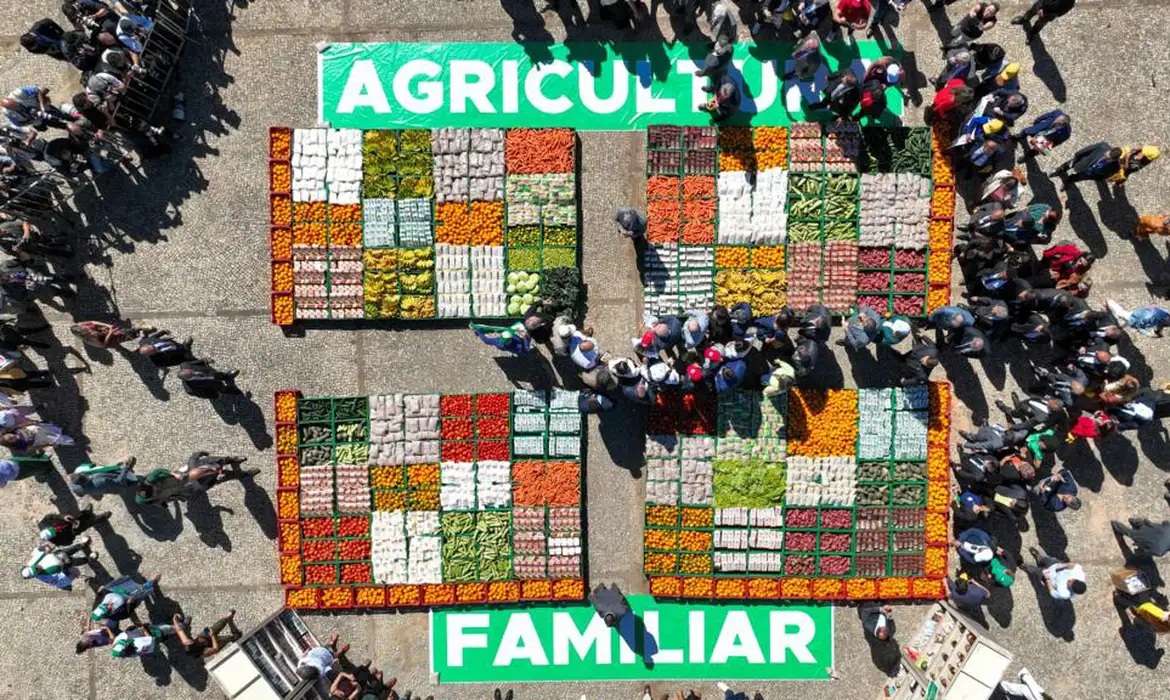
<point x="620" y="430"/>
<point x="241" y="410"/>
<point x="1046" y="69"/>
<point x="125" y="559"/>
<point x="1116" y="212"/>
<point x="868" y="371"/>
<point x="259" y="504"/>
<point x="1083" y="223"/>
<point x="531" y="370"/>
<point x="161" y="523"/>
<point x="1120" y="458"/>
<point x="205" y="518"/>
<point x="1059" y="616"/>
<point x="884" y="654"/>
<point x="1001" y="604"/>
<point x="151" y="376"/>
<point x="1140" y="641"/>
<point x="967" y="385"/>
<point x="1049" y="531"/>
<point x="632" y="630"/>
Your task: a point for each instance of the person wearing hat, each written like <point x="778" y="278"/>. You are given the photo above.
<point x="1007" y="187"/>
<point x="1134" y="159"/>
<point x="883" y="70"/>
<point x="1047" y="131"/>
<point x="1044" y="11"/>
<point x="861" y="329"/>
<point x="894" y="330"/>
<point x="631" y="222"/>
<point x="694" y="330"/>
<point x="120" y="597"/>
<point x="140" y="640"/>
<point x="967" y="593"/>
<point x="56" y="566"/>
<point x="693" y="377"/>
<point x="513" y="339"/>
<point x="1098" y="161"/>
<point x="62" y="529"/>
<point x="1058" y="492"/>
<point x="1007" y="78"/>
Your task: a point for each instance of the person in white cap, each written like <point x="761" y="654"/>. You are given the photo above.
<point x="563" y="329"/>
<point x="56" y="566"/>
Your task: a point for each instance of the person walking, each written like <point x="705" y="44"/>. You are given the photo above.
<point x="724" y="102"/>
<point x="919" y="361"/>
<point x="35" y="439"/>
<point x="57" y="566"/>
<point x="1047" y="131"/>
<point x="1102" y="162"/>
<point x="91" y="479"/>
<point x="981" y="18"/>
<point x="140" y="640"/>
<point x="1043" y="11"/>
<point x="1063" y="580"/>
<point x="161" y="348"/>
<point x="62" y="529"/>
<point x="610" y="604"/>
<point x="1149" y="538"/>
<point x="1147" y="320"/>
<point x="202" y="380"/>
<point x="120" y="597"/>
<point x="861" y="329"/>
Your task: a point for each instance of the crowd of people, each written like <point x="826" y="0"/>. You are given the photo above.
<point x="42" y="142"/>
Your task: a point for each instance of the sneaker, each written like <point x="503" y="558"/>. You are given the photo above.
<point x="1034" y="552"/>
<point x="1002" y="406"/>
<point x="251" y="472"/>
<point x="1018" y="19"/>
<point x="723" y="687"/>
<point x="344" y="648"/>
<point x="497" y="695"/>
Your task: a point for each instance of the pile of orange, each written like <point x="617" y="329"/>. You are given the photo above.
<point x="288" y="506"/>
<point x="301" y="598"/>
<point x="735" y="138"/>
<point x="309" y="235"/>
<point x="290" y="570"/>
<point x="942" y="203"/>
<point x="282" y="277"/>
<point x="281" y="243"/>
<point x="503" y="591"/>
<point x="280" y="177"/>
<point x="730" y="256"/>
<point x="345" y="235"/>
<point x="281" y="211"/>
<point x="286" y="406"/>
<point x="286" y="439"/>
<point x="309" y="211"/>
<point x="477" y="223"/>
<point x="569" y="589"/>
<point x="345" y="213"/>
<point x="822" y="423"/>
<point x="283" y="313"/>
<point x="370" y="597"/>
<point x="280" y="144"/>
<point x="665" y="587"/>
<point x="438" y="594"/>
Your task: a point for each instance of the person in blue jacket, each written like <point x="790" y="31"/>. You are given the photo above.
<point x="730" y="375"/>
<point x="1048" y="131"/>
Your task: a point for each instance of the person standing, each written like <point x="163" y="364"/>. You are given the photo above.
<point x="806" y="59"/>
<point x="140" y="640"/>
<point x="1048" y="131"/>
<point x="120" y="597"/>
<point x="1063" y="580"/>
<point x="861" y="329"/>
<point x="877" y="620"/>
<point x="1044" y="11"/>
<point x="57" y="566"/>
<point x="631" y="222"/>
<point x="842" y="93"/>
<point x="62" y="530"/>
<point x="161" y="348"/>
<point x="979" y="19"/>
<point x="610" y="604"/>
<point x="919" y="361"/>
<point x="724" y="100"/>
<point x="1148" y="537"/>
<point x="1101" y="162"/>
<point x="852" y="15"/>
<point x="966" y="593"/>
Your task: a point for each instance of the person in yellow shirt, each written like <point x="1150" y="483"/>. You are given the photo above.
<point x="1155" y="617"/>
<point x="1153" y="224"/>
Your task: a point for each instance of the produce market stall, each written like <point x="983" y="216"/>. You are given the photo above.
<point x="950" y="656"/>
<point x="837" y="214"/>
<point x="816" y="494"/>
<point x="421" y="224"/>
<point x="418" y="500"/>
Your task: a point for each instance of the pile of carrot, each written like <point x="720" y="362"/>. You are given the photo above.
<point x="534" y="151"/>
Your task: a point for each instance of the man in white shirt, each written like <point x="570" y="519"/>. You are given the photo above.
<point x="1062" y="579"/>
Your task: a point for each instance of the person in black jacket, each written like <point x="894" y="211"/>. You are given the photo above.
<point x="44" y="36"/>
<point x="919" y="361"/>
<point x="877" y="620"/>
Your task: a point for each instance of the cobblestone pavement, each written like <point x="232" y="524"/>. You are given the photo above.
<point x="183" y="245"/>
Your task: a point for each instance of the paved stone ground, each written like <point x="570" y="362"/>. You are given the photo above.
<point x="183" y="245"/>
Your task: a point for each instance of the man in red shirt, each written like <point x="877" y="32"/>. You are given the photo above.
<point x="852" y="14"/>
<point x="951" y="101"/>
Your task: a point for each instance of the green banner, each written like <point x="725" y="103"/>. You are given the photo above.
<point x="586" y="86"/>
<point x="661" y="641"/>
